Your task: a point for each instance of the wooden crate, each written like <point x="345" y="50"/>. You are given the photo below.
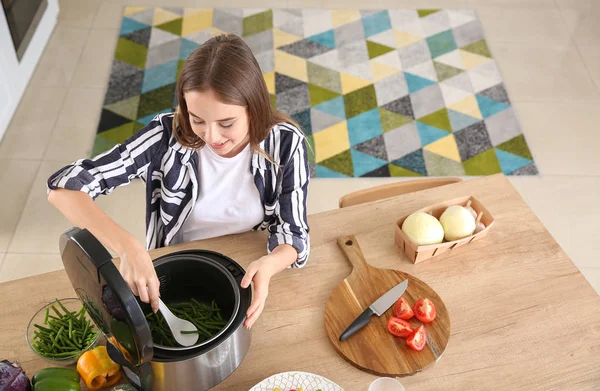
<point x="418" y="253"/>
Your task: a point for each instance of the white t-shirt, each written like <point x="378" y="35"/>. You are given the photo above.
<point x="228" y="202"/>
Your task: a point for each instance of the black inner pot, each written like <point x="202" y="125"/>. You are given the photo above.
<point x="203" y="277"/>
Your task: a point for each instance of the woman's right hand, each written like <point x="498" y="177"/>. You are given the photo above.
<point x="138" y="271"/>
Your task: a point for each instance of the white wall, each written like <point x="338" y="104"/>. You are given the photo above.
<point x="15" y="74"/>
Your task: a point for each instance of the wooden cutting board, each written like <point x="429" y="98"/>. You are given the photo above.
<point x="373" y="348"/>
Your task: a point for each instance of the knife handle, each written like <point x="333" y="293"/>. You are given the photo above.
<point x="360" y="322"/>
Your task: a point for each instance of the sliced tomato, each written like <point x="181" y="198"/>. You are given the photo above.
<point x="399" y="327"/>
<point x="425" y="310"/>
<point x="402" y="309"/>
<point x="418" y="340"/>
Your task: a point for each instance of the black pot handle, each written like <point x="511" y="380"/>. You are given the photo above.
<point x="234" y="270"/>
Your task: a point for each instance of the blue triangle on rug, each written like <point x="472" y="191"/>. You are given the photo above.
<point x="429" y="134"/>
<point x="187" y="47"/>
<point x="460" y="121"/>
<point x="416" y="83"/>
<point x="510" y="162"/>
<point x="364" y="163"/>
<point x="326" y="39"/>
<point x="413" y="161"/>
<point x="130" y="25"/>
<point x="334" y="107"/>
<point x="489" y="107"/>
<point x="324" y="172"/>
<point x="160" y="76"/>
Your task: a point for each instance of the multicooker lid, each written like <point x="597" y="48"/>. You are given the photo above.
<point x="119" y="314"/>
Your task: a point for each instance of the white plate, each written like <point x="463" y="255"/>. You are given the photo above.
<point x="294" y="380"/>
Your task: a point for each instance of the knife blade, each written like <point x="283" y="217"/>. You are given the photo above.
<point x="378" y="307"/>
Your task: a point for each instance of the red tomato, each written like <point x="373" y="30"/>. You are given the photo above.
<point x="425" y="310"/>
<point x="399" y="328"/>
<point x="402" y="310"/>
<point x="418" y="340"/>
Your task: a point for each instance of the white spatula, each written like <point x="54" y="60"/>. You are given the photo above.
<point x="177" y="325"/>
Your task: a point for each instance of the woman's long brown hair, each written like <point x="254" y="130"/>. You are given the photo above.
<point x="225" y="64"/>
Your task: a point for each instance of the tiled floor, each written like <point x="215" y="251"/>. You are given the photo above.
<point x="548" y="52"/>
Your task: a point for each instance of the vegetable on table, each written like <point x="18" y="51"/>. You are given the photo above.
<point x="12" y="377"/>
<point x="64" y="333"/>
<point x="56" y="384"/>
<point x="55" y="373"/>
<point x="206" y="318"/>
<point x="418" y="340"/>
<point x="97" y="369"/>
<point x="425" y="310"/>
<point x="423" y="229"/>
<point x="402" y="309"/>
<point x="458" y="223"/>
<point x="399" y="327"/>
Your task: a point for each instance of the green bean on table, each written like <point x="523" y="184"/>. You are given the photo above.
<point x="206" y="318"/>
<point x="64" y="333"/>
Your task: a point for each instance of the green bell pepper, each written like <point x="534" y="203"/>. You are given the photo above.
<point x="56" y="384"/>
<point x="56" y="373"/>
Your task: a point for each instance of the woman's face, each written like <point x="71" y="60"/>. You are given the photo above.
<point x="223" y="127"/>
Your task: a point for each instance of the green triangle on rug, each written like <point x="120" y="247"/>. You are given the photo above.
<point x="401" y="171"/>
<point x="320" y="94"/>
<point x="438" y="165"/>
<point x="137" y="127"/>
<point x="444" y="71"/>
<point x="438" y="119"/>
<point x="127" y="108"/>
<point x="257" y="23"/>
<point x="376" y="49"/>
<point x="173" y="26"/>
<point x="342" y="163"/>
<point x="131" y="53"/>
<point x="391" y="120"/>
<point x="479" y="47"/>
<point x="425" y="12"/>
<point x="120" y="133"/>
<point x="101" y="145"/>
<point x="486" y="163"/>
<point x="310" y="148"/>
<point x="179" y="67"/>
<point x="517" y="146"/>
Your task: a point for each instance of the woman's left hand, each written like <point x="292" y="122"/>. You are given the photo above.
<point x="260" y="273"/>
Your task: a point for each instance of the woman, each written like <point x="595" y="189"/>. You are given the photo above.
<point x="225" y="162"/>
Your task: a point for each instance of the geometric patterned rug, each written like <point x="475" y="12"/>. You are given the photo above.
<point x="378" y="92"/>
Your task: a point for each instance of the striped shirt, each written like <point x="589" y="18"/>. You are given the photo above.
<point x="170" y="172"/>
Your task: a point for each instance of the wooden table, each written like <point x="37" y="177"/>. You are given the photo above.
<point x="523" y="316"/>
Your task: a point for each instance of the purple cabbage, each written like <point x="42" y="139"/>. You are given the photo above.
<point x="112" y="304"/>
<point x="13" y="378"/>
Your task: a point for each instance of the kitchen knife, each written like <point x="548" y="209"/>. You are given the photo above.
<point x="378" y="307"/>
